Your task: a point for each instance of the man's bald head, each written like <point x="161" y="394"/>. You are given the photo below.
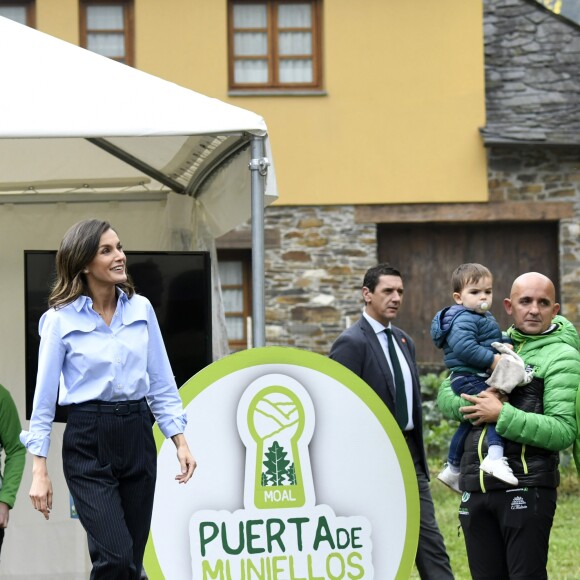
<point x="532" y="303"/>
<point x="533" y="279"/>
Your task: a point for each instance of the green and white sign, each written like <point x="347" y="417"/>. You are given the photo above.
<point x="303" y="474"/>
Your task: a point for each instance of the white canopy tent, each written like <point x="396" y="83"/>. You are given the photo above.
<point x="75" y="126"/>
<point x="74" y="121"/>
<point x="82" y="135"/>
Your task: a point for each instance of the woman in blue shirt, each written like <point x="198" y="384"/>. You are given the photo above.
<point x="104" y="340"/>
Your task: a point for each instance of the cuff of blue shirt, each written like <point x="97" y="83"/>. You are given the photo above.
<point x="173" y="426"/>
<point x="36" y="444"/>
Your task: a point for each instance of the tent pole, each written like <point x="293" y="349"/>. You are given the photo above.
<point x="259" y="169"/>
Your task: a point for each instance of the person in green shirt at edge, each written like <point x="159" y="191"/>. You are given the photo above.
<point x="14" y="458"/>
<point x="507" y="530"/>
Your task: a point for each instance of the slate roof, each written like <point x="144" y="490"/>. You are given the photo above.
<point x="532" y="75"/>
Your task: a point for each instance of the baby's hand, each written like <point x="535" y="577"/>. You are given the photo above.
<point x="503" y="347"/>
<point x="501" y="396"/>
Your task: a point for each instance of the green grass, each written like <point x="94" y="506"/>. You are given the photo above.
<point x="564" y="555"/>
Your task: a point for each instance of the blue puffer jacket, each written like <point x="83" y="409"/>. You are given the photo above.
<point x="465" y="337"/>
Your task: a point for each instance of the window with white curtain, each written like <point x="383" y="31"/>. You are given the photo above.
<point x="21" y="12"/>
<point x="106" y="28"/>
<point x="275" y="44"/>
<point x="235" y="275"/>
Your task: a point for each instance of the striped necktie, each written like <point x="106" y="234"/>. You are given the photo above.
<point x="401" y="412"/>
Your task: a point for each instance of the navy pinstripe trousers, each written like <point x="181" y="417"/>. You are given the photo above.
<point x="110" y="466"/>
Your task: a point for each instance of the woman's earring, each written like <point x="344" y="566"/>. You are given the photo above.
<point x="86" y="271"/>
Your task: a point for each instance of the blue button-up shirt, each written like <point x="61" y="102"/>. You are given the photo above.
<point x="82" y="359"/>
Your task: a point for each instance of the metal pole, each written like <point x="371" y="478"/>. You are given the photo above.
<point x="259" y="169"/>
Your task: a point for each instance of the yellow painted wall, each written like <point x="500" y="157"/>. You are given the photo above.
<point x="58" y="18"/>
<point x="405" y="95"/>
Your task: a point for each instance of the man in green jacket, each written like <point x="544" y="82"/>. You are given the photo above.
<point x="577" y="442"/>
<point x="14" y="457"/>
<point x="507" y="529"/>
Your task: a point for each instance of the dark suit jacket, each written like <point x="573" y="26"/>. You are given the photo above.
<point x="359" y="350"/>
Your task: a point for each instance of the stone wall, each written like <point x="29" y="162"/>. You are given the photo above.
<point x="314" y="279"/>
<point x="538" y="175"/>
<point x="314" y="273"/>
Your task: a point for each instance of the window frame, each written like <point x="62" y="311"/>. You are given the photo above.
<point x="29" y="5"/>
<point x="245" y="257"/>
<point x="128" y="31"/>
<point x="273" y="57"/>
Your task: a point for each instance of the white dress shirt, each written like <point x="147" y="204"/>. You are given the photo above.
<point x="383" y="341"/>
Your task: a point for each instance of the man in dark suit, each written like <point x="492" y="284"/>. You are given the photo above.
<point x="384" y="357"/>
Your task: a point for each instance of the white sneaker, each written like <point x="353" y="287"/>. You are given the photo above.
<point x="449" y="478"/>
<point x="500" y="469"/>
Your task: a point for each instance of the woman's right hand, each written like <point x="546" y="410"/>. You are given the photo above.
<point x="41" y="489"/>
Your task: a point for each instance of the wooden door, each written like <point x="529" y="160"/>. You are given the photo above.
<point x="426" y="254"/>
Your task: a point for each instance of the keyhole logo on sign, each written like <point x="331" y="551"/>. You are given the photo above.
<point x="276" y="431"/>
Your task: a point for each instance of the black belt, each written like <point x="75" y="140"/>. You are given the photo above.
<point x="120" y="408"/>
<point x="408" y="434"/>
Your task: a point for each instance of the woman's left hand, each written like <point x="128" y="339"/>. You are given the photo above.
<point x="186" y="460"/>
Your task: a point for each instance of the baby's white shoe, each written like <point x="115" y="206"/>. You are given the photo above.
<point x="500" y="469"/>
<point x="449" y="478"/>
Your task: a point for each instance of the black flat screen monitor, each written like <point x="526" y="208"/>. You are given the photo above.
<point x="178" y="285"/>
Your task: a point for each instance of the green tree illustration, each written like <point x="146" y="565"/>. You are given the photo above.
<point x="264" y="480"/>
<point x="276" y="464"/>
<point x="291" y="474"/>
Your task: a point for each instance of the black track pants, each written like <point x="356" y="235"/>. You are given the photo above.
<point x="507" y="532"/>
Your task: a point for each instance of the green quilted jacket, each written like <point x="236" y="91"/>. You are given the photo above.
<point x="540" y="418"/>
<point x="14" y="451"/>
